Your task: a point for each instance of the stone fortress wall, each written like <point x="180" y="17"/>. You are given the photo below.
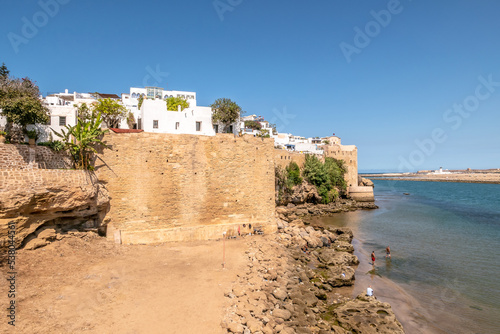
<point x="167" y="187"/>
<point x="20" y="156"/>
<point x="347" y="153"/>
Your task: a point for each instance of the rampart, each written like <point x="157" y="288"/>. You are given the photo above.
<point x="167" y="187"/>
<point x="283" y="158"/>
<point x="19" y="156"/>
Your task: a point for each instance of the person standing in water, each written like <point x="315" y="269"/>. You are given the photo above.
<point x="388" y="252"/>
<point x="373" y="258"/>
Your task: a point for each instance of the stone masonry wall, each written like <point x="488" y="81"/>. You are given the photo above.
<point x="350" y="158"/>
<point x="167" y="187"/>
<point x="18" y="156"/>
<point x="283" y="158"/>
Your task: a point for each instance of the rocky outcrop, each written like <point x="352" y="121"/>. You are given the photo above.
<point x="290" y="284"/>
<point x="304" y="193"/>
<point x="292" y="212"/>
<point x="365" y="182"/>
<point x="367" y="315"/>
<point x="44" y="205"/>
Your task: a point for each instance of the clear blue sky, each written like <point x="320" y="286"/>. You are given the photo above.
<point x="284" y="60"/>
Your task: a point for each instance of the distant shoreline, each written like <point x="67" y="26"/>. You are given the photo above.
<point x="488" y="177"/>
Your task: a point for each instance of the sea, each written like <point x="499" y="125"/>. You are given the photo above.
<point x="442" y="276"/>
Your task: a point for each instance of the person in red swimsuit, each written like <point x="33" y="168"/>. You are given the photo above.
<point x="373" y="258"/>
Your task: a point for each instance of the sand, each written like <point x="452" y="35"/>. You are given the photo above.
<point x="76" y="286"/>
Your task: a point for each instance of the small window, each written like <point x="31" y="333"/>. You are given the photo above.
<point x="216" y="128"/>
<point x="198" y="126"/>
<point x="155" y="124"/>
<point x="62" y="120"/>
<point x="177" y="124"/>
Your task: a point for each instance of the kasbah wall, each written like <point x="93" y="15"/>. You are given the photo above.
<point x="167" y="187"/>
<point x="347" y="153"/>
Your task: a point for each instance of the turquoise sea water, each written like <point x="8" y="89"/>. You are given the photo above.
<point x="445" y="242"/>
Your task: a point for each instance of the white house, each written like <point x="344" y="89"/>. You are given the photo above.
<point x="193" y="120"/>
<point x="131" y="100"/>
<point x="264" y="125"/>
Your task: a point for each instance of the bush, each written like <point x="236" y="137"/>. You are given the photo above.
<point x="253" y="125"/>
<point x="56" y="145"/>
<point x="293" y="176"/>
<point x="325" y="176"/>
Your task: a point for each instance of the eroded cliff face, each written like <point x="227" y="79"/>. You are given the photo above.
<point x="46" y="204"/>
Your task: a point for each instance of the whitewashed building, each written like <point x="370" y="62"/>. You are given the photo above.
<point x="155" y="117"/>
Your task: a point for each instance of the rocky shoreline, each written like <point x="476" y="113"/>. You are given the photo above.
<point x="295" y="281"/>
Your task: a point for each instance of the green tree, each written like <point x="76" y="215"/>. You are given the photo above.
<point x="174" y="102"/>
<point x="253" y="125"/>
<point x="84" y="112"/>
<point x="264" y="133"/>
<point x="225" y="112"/>
<point x="327" y="176"/>
<point x="111" y="112"/>
<point x="82" y="141"/>
<point x="336" y="171"/>
<point x="20" y="102"/>
<point x="293" y="176"/>
<point x="4" y="72"/>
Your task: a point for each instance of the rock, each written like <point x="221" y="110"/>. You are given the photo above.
<point x="282" y="314"/>
<point x="238" y="291"/>
<point x="367" y="315"/>
<point x="343" y="246"/>
<point x="305" y="193"/>
<point x="30" y="207"/>
<point x="254" y="325"/>
<point x="35" y="243"/>
<point x="47" y="233"/>
<point x="280" y="294"/>
<point x="234" y="327"/>
<point x="332" y="257"/>
<point x="365" y="182"/>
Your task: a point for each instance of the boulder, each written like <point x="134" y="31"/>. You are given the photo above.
<point x="367" y="315"/>
<point x="282" y="314"/>
<point x="343" y="246"/>
<point x="280" y="294"/>
<point x="332" y="257"/>
<point x="234" y="327"/>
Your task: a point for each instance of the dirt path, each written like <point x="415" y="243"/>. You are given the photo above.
<point x="77" y="286"/>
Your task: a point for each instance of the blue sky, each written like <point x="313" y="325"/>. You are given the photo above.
<point x="382" y="75"/>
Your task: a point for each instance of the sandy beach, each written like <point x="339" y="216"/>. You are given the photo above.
<point x="95" y="286"/>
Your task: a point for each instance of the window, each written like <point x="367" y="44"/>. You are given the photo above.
<point x="230" y="129"/>
<point x="198" y="126"/>
<point x="62" y="120"/>
<point x="155" y="124"/>
<point x="177" y="124"/>
<point x="216" y="128"/>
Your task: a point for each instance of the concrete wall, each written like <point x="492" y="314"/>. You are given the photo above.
<point x="182" y="187"/>
<point x="362" y="194"/>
